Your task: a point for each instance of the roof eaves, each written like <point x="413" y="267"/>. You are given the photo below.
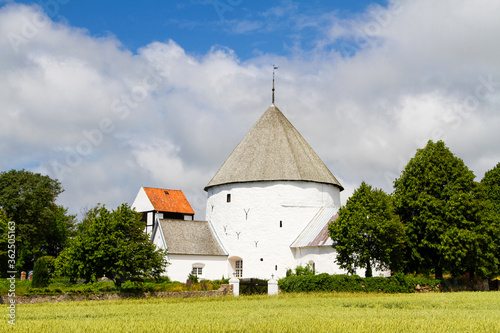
<point x="273" y="180"/>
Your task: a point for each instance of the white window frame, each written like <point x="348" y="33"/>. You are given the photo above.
<point x="238" y="268"/>
<point x="197" y="269"/>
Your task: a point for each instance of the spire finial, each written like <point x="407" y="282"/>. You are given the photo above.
<point x="274" y="70"/>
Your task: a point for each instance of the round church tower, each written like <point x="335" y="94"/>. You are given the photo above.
<point x="270" y="201"/>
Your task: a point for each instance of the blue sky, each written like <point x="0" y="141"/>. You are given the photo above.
<point x="249" y="27"/>
<point x="109" y="96"/>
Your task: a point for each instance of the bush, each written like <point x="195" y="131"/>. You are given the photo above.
<point x="43" y="271"/>
<point x="217" y="283"/>
<point x="131" y="287"/>
<point x="299" y="270"/>
<point x="192" y="278"/>
<point x="397" y="283"/>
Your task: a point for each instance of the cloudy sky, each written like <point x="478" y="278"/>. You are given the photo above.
<point x="108" y="97"/>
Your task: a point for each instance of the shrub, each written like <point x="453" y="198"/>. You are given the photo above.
<point x="43" y="271"/>
<point x="397" y="283"/>
<point x="103" y="286"/>
<point x="217" y="283"/>
<point x="300" y="270"/>
<point x="193" y="278"/>
<point x="131" y="287"/>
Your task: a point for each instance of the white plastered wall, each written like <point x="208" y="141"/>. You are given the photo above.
<point x="143" y="204"/>
<point x="181" y="265"/>
<point x="322" y="256"/>
<point x="249" y="225"/>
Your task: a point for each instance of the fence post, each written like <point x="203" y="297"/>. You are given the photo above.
<point x="235" y="282"/>
<point x="272" y="287"/>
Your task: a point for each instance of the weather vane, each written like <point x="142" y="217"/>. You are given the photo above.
<point x="274" y="70"/>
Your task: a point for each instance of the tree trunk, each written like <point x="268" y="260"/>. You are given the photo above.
<point x="368" y="272"/>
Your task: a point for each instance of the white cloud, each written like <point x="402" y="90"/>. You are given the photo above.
<point x="112" y="121"/>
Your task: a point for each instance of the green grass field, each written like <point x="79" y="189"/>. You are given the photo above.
<point x="315" y="312"/>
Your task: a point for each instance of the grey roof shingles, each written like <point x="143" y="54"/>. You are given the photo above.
<point x="316" y="232"/>
<point x="190" y="237"/>
<point x="273" y="150"/>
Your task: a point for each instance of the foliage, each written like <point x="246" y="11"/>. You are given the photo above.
<point x="219" y="282"/>
<point x="290" y="312"/>
<point x="58" y="288"/>
<point x="490" y="186"/>
<point x="22" y="287"/>
<point x="367" y="234"/>
<point x="193" y="278"/>
<point x="447" y="226"/>
<point x="62" y="285"/>
<point x="112" y="244"/>
<point x="300" y="270"/>
<point x="43" y="271"/>
<point x="489" y="230"/>
<point x="131" y="287"/>
<point x="42" y="227"/>
<point x="4" y="257"/>
<point x="353" y="283"/>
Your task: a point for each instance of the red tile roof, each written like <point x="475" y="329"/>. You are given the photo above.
<point x="172" y="201"/>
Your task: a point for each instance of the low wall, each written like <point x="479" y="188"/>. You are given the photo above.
<point x="225" y="289"/>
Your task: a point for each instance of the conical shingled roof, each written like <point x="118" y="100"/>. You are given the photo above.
<point x="273" y="150"/>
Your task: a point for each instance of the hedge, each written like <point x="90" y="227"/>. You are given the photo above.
<point x="397" y="283"/>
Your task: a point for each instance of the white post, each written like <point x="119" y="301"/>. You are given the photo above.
<point x="272" y="287"/>
<point x="235" y="282"/>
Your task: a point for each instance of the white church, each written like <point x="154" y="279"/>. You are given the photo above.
<point x="268" y="210"/>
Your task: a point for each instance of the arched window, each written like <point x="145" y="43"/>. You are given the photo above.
<point x="236" y="267"/>
<point x="312" y="264"/>
<point x="238" y="272"/>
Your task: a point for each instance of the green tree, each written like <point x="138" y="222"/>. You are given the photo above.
<point x="111" y="244"/>
<point x="446" y="224"/>
<point x="3" y="243"/>
<point x="43" y="272"/>
<point x="489" y="193"/>
<point x="42" y="227"/>
<point x="367" y="234"/>
<point x="490" y="187"/>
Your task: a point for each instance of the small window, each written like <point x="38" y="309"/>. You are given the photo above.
<point x="281" y="224"/>
<point x="197" y="271"/>
<point x="228" y="198"/>
<point x="275" y="267"/>
<point x="239" y="268"/>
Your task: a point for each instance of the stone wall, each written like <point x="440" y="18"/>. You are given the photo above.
<point x="225" y="289"/>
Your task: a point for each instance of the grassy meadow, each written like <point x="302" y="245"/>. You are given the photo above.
<point x="292" y="312"/>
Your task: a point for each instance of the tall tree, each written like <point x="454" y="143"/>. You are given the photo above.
<point x="489" y="193"/>
<point x="42" y="227"/>
<point x="367" y="234"/>
<point x="111" y="244"/>
<point x="4" y="244"/>
<point x="436" y="199"/>
<point x="490" y="187"/>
